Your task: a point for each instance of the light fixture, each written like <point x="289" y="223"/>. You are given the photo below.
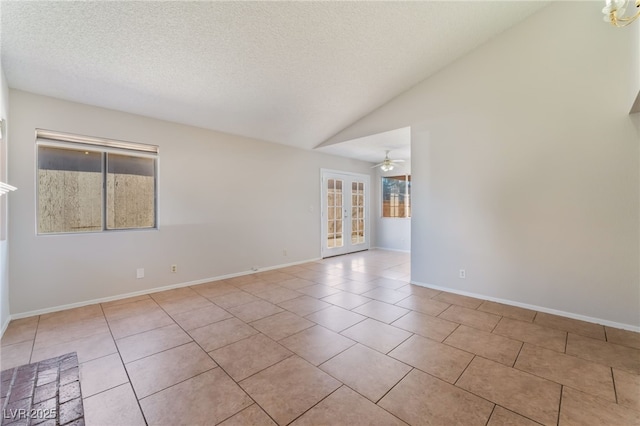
<point x="4" y="188"/>
<point x="614" y="12"/>
<point x="386" y="167"/>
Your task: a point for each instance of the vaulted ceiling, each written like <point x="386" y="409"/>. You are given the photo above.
<point x="288" y="72"/>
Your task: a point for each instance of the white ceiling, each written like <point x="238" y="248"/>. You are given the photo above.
<point x="372" y="148"/>
<point x="287" y="72"/>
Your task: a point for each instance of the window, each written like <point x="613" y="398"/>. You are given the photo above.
<point x="396" y="196"/>
<point x="90" y="184"/>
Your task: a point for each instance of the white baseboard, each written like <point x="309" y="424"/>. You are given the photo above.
<point x="5" y="325"/>
<point x="390" y="249"/>
<point x="147" y="291"/>
<point x="533" y="307"/>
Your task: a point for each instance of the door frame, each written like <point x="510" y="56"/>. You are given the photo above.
<point x="367" y="211"/>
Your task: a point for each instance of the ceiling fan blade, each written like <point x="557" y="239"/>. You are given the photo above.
<point x="377" y="165"/>
<point x="397" y="161"/>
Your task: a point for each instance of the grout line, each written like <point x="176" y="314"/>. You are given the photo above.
<point x="517" y="356"/>
<point x="615" y="390"/>
<point x="462" y="373"/>
<point x="491" y="414"/>
<point x="560" y="403"/>
<point x="35" y="335"/>
<point x="135" y="395"/>
<point x="396" y="383"/>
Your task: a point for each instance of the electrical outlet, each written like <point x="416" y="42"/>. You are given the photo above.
<point x="140" y="273"/>
<point x="463" y="273"/>
<point x="174" y="269"/>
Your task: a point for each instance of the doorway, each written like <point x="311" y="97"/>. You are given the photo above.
<point x="345" y="212"/>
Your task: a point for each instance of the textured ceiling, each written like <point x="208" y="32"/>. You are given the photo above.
<point x="287" y="72"/>
<point x="373" y="148"/>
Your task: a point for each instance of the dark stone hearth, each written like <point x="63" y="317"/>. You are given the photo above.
<point x="46" y="393"/>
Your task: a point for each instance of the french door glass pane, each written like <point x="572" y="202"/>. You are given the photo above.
<point x="357" y="213"/>
<point x="334" y="213"/>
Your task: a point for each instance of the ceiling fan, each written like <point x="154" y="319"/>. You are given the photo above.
<point x="387" y="164"/>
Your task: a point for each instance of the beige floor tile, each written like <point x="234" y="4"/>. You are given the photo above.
<point x="185" y="304"/>
<point x="256" y="286"/>
<point x="159" y="371"/>
<point x="289" y="388"/>
<point x="503" y="417"/>
<point x="304" y="305"/>
<point x="488" y="345"/>
<point x="296" y="283"/>
<point x="366" y="371"/>
<point x="355" y="287"/>
<point x="579" y="409"/>
<point x="458" y="299"/>
<point x="237" y="298"/>
<point x="274" y="276"/>
<point x="595" y="331"/>
<point x="362" y="277"/>
<point x="627" y="388"/>
<point x="523" y="393"/>
<point x="310" y="275"/>
<point x="586" y="376"/>
<point x="389" y="283"/>
<point x="317" y="344"/>
<point x="622" y="357"/>
<point x="201" y="317"/>
<point x="335" y="318"/>
<point x="532" y="333"/>
<point x="281" y="325"/>
<point x="214" y="289"/>
<point x="423" y="305"/>
<point x="15" y="355"/>
<point x="346" y="300"/>
<point x="221" y="333"/>
<point x="243" y="280"/>
<point x="623" y="337"/>
<point x="53" y="332"/>
<point x="318" y="290"/>
<point x="349" y="408"/>
<point x="426" y="325"/>
<point x="248" y="356"/>
<point x="151" y="342"/>
<point x="150" y="320"/>
<point x="331" y="280"/>
<point x="20" y="330"/>
<point x="377" y="335"/>
<point x="75" y="315"/>
<point x="277" y="294"/>
<point x="254" y="311"/>
<point x="508" y="311"/>
<point x="131" y="309"/>
<point x="470" y="317"/>
<point x="117" y="406"/>
<point x="416" y="290"/>
<point x="381" y="311"/>
<point x="437" y="359"/>
<point x="125" y="301"/>
<point x="87" y="348"/>
<point x="208" y="398"/>
<point x="173" y="294"/>
<point x="386" y="295"/>
<point x="250" y="416"/>
<point x="101" y="374"/>
<point x="420" y="399"/>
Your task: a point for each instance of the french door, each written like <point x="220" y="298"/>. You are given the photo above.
<point x="345" y="218"/>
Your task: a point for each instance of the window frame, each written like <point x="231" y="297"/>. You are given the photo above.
<point x="407" y="196"/>
<point x="68" y="141"/>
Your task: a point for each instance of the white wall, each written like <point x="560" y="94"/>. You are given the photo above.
<point x="391" y="233"/>
<point x="226" y="204"/>
<point x="525" y="167"/>
<point x="4" y="251"/>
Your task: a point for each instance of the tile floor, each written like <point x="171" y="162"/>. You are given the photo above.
<point x="341" y="341"/>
